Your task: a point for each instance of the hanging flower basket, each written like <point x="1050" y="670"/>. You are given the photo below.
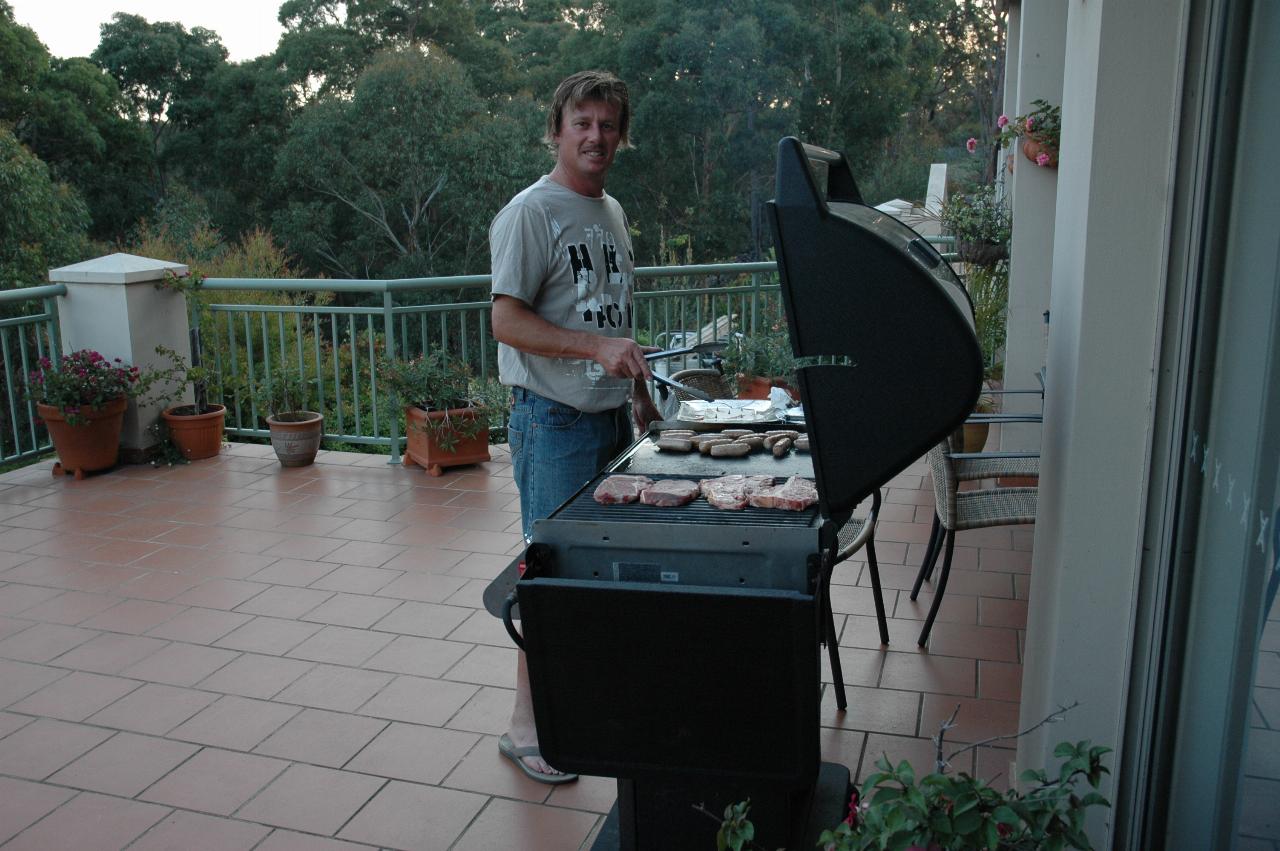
<point x="1039" y="153"/>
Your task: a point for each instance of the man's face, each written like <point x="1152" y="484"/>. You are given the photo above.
<point x="588" y="139"/>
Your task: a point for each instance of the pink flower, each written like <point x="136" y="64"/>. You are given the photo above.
<point x="1042" y="158"/>
<point x="1030" y="121"/>
<point x="971" y="145"/>
<point x="1002" y="121"/>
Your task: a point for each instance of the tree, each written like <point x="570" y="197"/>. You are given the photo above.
<point x="157" y="65"/>
<point x="402" y="177"/>
<point x="42" y="222"/>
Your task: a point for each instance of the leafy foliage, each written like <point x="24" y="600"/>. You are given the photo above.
<point x="82" y="379"/>
<point x="443" y="382"/>
<point x="43" y="223"/>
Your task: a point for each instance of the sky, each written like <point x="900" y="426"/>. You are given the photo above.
<point x="71" y="27"/>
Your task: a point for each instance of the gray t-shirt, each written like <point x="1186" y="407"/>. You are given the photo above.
<point x="568" y="256"/>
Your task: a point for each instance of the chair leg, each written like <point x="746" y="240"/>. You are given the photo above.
<point x="874" y="569"/>
<point x="833" y="653"/>
<point x="939" y="590"/>
<point x="930" y="556"/>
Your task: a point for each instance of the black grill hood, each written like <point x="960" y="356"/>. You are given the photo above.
<point x="866" y="291"/>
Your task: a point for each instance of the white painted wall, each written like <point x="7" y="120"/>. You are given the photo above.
<point x="1122" y="73"/>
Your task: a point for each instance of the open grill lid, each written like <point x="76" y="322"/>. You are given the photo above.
<point x="886" y="314"/>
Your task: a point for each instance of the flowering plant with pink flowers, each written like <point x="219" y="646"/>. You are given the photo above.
<point x="82" y="380"/>
<point x="1043" y="124"/>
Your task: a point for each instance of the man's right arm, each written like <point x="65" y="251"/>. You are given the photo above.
<point x="517" y="325"/>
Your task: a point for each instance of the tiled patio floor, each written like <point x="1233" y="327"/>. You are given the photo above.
<point x="233" y="655"/>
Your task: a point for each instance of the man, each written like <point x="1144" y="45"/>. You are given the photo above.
<point x="563" y="271"/>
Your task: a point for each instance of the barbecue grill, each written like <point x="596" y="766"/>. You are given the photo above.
<point x="676" y="648"/>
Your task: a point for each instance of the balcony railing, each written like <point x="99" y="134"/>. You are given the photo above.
<point x="28" y="332"/>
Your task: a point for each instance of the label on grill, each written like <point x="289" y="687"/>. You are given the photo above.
<point x="632" y="571"/>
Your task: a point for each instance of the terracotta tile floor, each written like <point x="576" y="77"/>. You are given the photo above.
<point x="230" y="654"/>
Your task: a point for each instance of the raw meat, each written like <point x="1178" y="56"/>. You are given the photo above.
<point x="669" y="493"/>
<point x="795" y="494"/>
<point x="620" y="488"/>
<point x="730" y="492"/>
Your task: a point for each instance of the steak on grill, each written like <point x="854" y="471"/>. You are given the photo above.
<point x="669" y="493"/>
<point x="620" y="488"/>
<point x="795" y="494"/>
<point x="731" y="492"/>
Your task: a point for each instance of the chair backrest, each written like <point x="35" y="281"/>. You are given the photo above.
<point x="945" y="482"/>
<point x="710" y="381"/>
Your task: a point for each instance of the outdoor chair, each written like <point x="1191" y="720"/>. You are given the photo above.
<point x="709" y="381"/>
<point x="856" y="533"/>
<point x="956" y="510"/>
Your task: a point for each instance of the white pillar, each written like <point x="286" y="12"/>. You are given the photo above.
<point x="1039" y="51"/>
<point x="112" y="306"/>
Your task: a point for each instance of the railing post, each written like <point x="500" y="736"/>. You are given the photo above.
<point x="388" y="322"/>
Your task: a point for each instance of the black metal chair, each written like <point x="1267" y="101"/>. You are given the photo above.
<point x="856" y="533"/>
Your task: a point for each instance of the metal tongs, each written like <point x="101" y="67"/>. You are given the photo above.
<point x="711" y="348"/>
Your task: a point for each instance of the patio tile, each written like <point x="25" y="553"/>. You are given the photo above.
<point x="426" y="559"/>
<point x="22" y="804"/>
<point x="124" y="765"/>
<point x="354" y="610"/>
<point x="843" y="747"/>
<point x="16" y="540"/>
<point x="307" y="798"/>
<point x="320" y="737"/>
<point x="512" y="824"/>
<point x="427" y="535"/>
<point x="180" y="664"/>
<point x="275" y="636"/>
<point x="428" y="620"/>
<point x="413" y="752"/>
<point x="288" y="840"/>
<point x="484" y="770"/>
<point x="43" y="642"/>
<point x="419" y="701"/>
<point x="860" y="667"/>
<point x="488" y="711"/>
<point x="489" y="666"/>
<point x="878" y="710"/>
<point x="955" y="608"/>
<point x="471" y="594"/>
<point x="15" y="598"/>
<point x="293" y="571"/>
<point x="69" y="607"/>
<point x="90" y="821"/>
<point x="284" y="601"/>
<point x="1007" y="613"/>
<point x="252" y="675"/>
<point x="10" y="722"/>
<point x="425" y="657"/>
<point x="183" y="831"/>
<point x="923" y="672"/>
<point x="919" y="752"/>
<point x="481" y="628"/>
<point x="999" y="681"/>
<point x="109" y="653"/>
<point x="133" y="616"/>
<point x="1006" y="561"/>
<point x="303" y="547"/>
<point x="407" y="815"/>
<point x="974" y="642"/>
<point x="850" y="600"/>
<point x="234" y="722"/>
<point x="215" y="781"/>
<point x="122" y="552"/>
<point x="496" y="543"/>
<point x="169" y="558"/>
<point x="341" y="646"/>
<point x="199" y="626"/>
<point x="977" y="719"/>
<point x="159" y="585"/>
<point x="75" y="696"/>
<point x="356" y="579"/>
<point x="372" y="531"/>
<point x="594" y="794"/>
<point x="423" y="587"/>
<point x="220" y="593"/>
<point x="153" y="709"/>
<point x="44" y="746"/>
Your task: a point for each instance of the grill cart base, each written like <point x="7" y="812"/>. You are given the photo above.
<point x="652" y="816"/>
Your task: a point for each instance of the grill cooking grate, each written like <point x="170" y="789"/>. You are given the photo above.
<point x="697" y="513"/>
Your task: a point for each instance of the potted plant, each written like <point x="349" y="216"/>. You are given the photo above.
<point x="982" y="226"/>
<point x="295" y="431"/>
<point x="1040" y="129"/>
<point x="760" y="361"/>
<point x="82" y="401"/>
<point x="195" y="430"/>
<point x="446" y="412"/>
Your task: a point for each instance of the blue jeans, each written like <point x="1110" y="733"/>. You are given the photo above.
<point x="556" y="449"/>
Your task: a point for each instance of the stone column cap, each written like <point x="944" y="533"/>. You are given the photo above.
<point x="116" y="268"/>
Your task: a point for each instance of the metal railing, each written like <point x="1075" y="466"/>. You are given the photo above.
<point x="334" y="348"/>
<point x="28" y="332"/>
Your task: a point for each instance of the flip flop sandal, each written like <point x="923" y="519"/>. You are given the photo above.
<point x="508" y="749"/>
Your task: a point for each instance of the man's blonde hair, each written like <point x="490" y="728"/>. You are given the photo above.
<point x="585" y="86"/>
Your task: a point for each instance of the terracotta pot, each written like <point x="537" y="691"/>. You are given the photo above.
<point x="1032" y="150"/>
<point x="197" y="436"/>
<point x="975" y="436"/>
<point x="90" y="446"/>
<point x="758" y="388"/>
<point x="295" y="436"/>
<point x="424" y="450"/>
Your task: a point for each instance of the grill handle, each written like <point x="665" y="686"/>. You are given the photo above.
<point x="507" y="605"/>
